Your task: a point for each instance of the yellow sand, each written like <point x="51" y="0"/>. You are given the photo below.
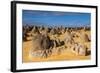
<point x="65" y="55"/>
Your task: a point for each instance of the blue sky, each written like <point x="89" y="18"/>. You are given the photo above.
<point x="53" y="18"/>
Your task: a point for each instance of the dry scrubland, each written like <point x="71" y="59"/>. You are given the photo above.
<point x="56" y="43"/>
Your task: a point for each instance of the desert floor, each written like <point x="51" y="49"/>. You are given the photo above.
<point x="65" y="55"/>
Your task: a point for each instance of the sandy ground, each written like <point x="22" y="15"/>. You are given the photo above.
<point x="66" y="54"/>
